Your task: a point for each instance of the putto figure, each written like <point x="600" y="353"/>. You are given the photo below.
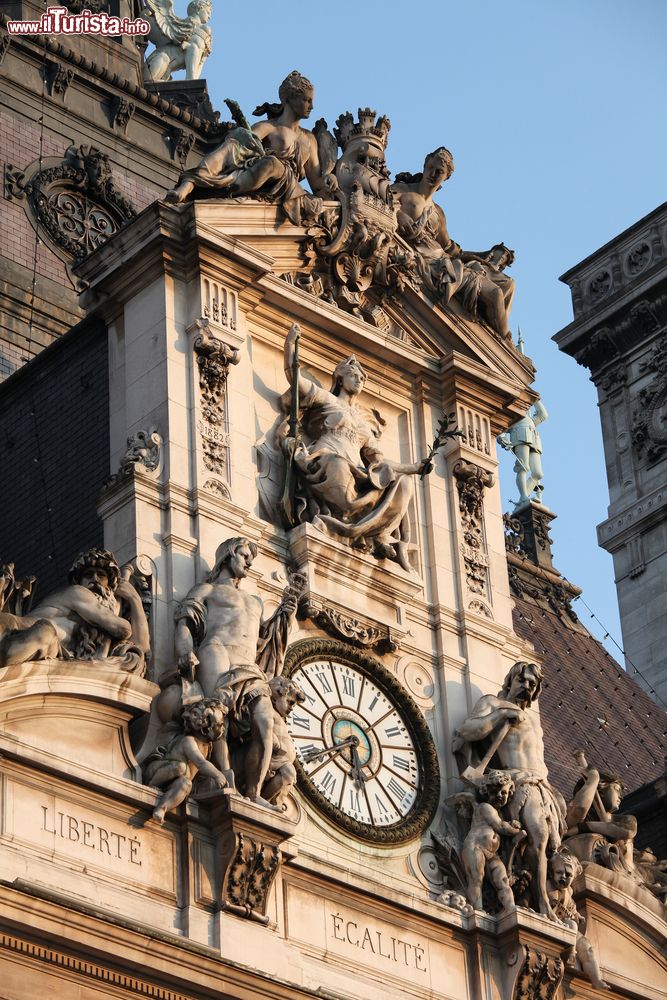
<point x="476" y="278"/>
<point x="348" y="486"/>
<point x="179" y="43"/>
<point x="174" y="767"/>
<point x="506" y="721"/>
<point x="219" y="635"/>
<point x="482" y="842"/>
<point x="269" y="160"/>
<point x="97" y="616"/>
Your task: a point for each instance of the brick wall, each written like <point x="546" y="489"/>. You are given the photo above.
<point x="54" y="455"/>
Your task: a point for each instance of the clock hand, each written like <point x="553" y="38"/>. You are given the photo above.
<point x="355" y="771"/>
<point x="351" y="741"/>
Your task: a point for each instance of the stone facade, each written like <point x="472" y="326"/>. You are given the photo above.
<point x="619" y="333"/>
<point x="277" y="733"/>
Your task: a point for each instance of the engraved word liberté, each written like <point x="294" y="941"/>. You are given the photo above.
<point x="378" y="943"/>
<point x="97" y="838"/>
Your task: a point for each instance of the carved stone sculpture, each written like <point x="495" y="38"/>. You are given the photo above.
<point x="143" y="449"/>
<point x="74" y="201"/>
<point x="219" y="637"/>
<point x="524" y="440"/>
<point x="15" y="595"/>
<point x="517" y="747"/>
<point x="268" y="161"/>
<point x="563" y="869"/>
<point x="482" y="842"/>
<point x="179" y="43"/>
<point x="471" y="481"/>
<point x="356" y="248"/>
<point x="213" y="360"/>
<point x="597" y="832"/>
<point x="174" y="767"/>
<point x="539" y="976"/>
<point x="476" y="278"/>
<point x="97" y="616"/>
<point x="281" y="776"/>
<point x="346" y="485"/>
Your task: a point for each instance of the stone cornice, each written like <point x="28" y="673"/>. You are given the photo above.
<point x="151" y="103"/>
<point x="619" y="528"/>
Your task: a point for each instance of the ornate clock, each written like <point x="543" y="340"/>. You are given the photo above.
<point x="365" y="757"/>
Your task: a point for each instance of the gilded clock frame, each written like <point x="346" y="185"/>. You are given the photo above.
<point x="428" y="794"/>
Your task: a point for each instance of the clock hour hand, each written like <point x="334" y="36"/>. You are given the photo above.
<point x="356" y="772"/>
<point x="351" y="741"/>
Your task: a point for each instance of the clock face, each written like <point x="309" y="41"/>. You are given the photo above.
<point x="365" y="756"/>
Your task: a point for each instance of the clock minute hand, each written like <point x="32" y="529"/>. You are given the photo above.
<point x="351" y="741"/>
<point x="356" y="772"/>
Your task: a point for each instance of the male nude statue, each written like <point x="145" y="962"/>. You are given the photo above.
<point x="538" y="806"/>
<point x="80" y="620"/>
<point x="222" y="623"/>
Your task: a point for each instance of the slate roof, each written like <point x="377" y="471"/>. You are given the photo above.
<point x="588" y="701"/>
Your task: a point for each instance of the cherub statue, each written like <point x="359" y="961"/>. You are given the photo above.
<point x="269" y="160"/>
<point x="480" y="848"/>
<point x="174" y="767"/>
<point x="179" y="43"/>
<point x="563" y="869"/>
<point x="281" y="776"/>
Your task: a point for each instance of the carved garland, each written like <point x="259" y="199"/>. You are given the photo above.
<point x="427" y="801"/>
<point x="341" y="625"/>
<point x="213" y="360"/>
<point x="471" y="481"/>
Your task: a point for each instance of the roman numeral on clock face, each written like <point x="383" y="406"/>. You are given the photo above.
<point x="328" y="783"/>
<point x="348" y="685"/>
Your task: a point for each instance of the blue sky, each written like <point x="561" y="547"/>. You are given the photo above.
<point x="555" y="113"/>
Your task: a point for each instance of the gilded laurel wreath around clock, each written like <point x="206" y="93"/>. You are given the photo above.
<point x="365" y="757"/>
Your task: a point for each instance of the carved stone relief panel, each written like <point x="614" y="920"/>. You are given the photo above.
<point x="471" y="481"/>
<point x="213" y="360"/>
<point x="649" y="420"/>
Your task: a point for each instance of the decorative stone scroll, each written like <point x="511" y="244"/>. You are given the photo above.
<point x="471" y="481"/>
<point x="73" y="201"/>
<point x="342" y="625"/>
<point x="213" y="360"/>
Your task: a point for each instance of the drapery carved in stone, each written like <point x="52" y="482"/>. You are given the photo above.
<point x="73" y="203"/>
<point x="471" y="481"/>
